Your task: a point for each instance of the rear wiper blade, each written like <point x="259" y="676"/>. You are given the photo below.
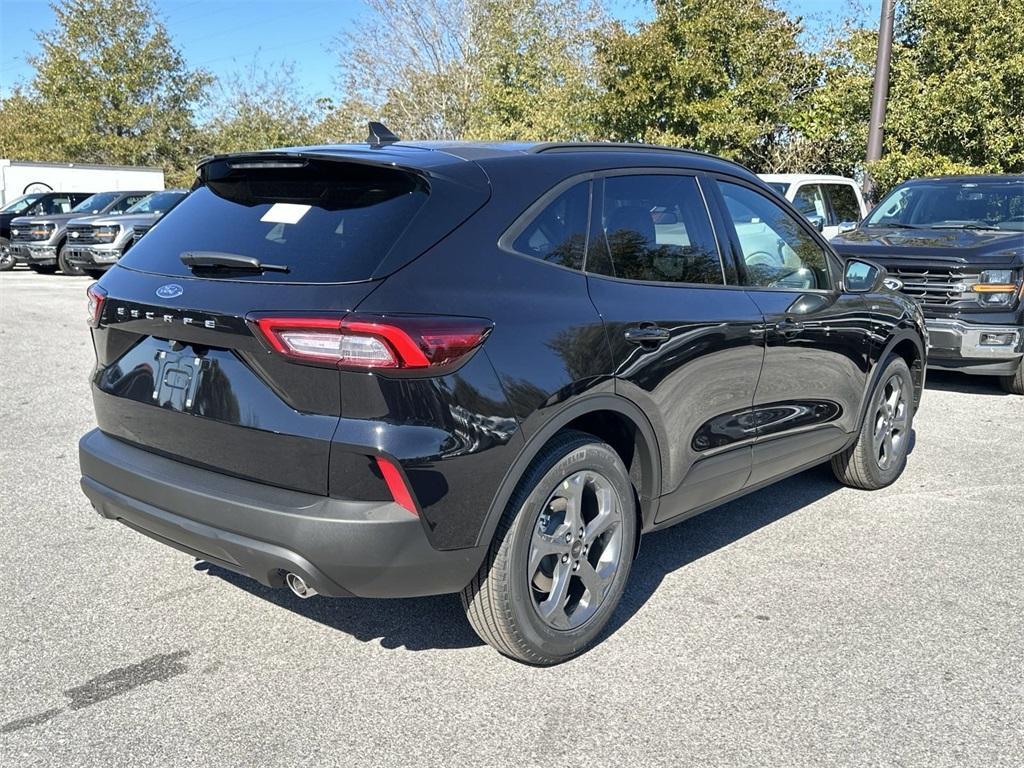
<point x="228" y="261"/>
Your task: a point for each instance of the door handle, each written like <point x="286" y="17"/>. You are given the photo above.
<point x="789" y="328"/>
<point x="646" y="334"/>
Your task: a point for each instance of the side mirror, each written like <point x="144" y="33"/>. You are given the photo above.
<point x="818" y="222"/>
<point x="863" y="276"/>
<point x="847" y="226"/>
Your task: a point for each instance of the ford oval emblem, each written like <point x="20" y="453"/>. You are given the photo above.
<point x="170" y="291"/>
<point x="892" y="283"/>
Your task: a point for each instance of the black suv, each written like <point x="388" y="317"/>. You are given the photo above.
<point x="956" y="245"/>
<point x="409" y="369"/>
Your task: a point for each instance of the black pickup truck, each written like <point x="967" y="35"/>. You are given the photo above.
<point x="956" y="245"/>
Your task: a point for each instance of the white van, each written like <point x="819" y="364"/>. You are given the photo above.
<point x="833" y="204"/>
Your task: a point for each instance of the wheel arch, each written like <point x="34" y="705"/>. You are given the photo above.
<point x="906" y="344"/>
<point x="617" y="421"/>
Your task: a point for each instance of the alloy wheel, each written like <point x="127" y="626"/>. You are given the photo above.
<point x="890" y="425"/>
<point x="575" y="550"/>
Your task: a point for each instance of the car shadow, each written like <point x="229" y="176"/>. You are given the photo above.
<point x="666" y="551"/>
<point x="964" y="383"/>
<point x="416" y="624"/>
<point x="428" y="623"/>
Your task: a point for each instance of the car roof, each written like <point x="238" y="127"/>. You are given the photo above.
<point x="428" y="155"/>
<point x="969" y="178"/>
<point x="792" y="178"/>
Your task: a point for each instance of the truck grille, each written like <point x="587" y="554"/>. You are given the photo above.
<point x="936" y="287"/>
<point x="82" y="235"/>
<point x="139" y="230"/>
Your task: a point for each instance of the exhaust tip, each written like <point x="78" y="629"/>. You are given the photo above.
<point x="298" y="586"/>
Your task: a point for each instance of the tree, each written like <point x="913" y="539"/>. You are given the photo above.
<point x="109" y="87"/>
<point x="956" y="99"/>
<point x="723" y="76"/>
<point x="261" y="109"/>
<point x="533" y="62"/>
<point x="456" y="69"/>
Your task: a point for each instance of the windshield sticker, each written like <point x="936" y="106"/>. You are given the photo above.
<point x="285" y="213"/>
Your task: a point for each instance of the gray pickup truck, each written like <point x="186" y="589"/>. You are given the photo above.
<point x="95" y="243"/>
<point x="955" y="244"/>
<point x="40" y="241"/>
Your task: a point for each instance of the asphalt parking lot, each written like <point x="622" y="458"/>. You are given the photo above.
<point x="805" y="625"/>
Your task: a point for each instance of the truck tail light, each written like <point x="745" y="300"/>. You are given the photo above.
<point x="373" y="341"/>
<point x="95" y="296"/>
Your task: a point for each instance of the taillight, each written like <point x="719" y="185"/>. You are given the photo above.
<point x="95" y="296"/>
<point x="396" y="485"/>
<point x="367" y="341"/>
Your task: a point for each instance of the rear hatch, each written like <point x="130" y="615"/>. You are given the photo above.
<point x="182" y="369"/>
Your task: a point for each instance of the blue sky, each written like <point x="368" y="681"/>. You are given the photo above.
<point x="224" y="36"/>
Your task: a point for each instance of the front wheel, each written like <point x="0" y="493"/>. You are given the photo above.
<point x="561" y="555"/>
<point x="1014" y="384"/>
<point x="6" y="257"/>
<point x="880" y="453"/>
<point x="72" y="270"/>
<point x="95" y="274"/>
<point x="43" y="269"/>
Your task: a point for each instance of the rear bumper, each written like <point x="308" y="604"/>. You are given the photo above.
<point x="340" y="548"/>
<point x="28" y="253"/>
<point x="984" y="349"/>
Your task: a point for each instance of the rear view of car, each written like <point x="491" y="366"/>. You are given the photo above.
<point x="396" y="370"/>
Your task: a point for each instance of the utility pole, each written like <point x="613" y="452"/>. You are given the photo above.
<point x="880" y="92"/>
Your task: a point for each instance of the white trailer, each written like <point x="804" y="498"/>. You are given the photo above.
<point x="19" y="177"/>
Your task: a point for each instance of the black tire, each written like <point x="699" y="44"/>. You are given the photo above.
<point x="43" y="269"/>
<point x="862" y="465"/>
<point x="6" y="257"/>
<point x="1014" y="384"/>
<point x="95" y="274"/>
<point x="69" y="269"/>
<point x="501" y="602"/>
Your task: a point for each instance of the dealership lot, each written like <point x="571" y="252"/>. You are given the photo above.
<point x="807" y="624"/>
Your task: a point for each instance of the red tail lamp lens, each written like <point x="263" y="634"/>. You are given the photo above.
<point x="95" y="296"/>
<point x="362" y="341"/>
<point x="399" y="491"/>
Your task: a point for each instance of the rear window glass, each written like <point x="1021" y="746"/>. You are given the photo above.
<point x="325" y="221"/>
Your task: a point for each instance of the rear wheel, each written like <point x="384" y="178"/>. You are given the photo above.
<point x="72" y="270"/>
<point x="561" y="555"/>
<point x="1014" y="384"/>
<point x="880" y="453"/>
<point x="43" y="269"/>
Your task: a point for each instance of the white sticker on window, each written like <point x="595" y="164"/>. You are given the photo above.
<point x="285" y="213"/>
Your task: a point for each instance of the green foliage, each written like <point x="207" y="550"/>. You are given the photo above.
<point x="109" y="88"/>
<point x="532" y="69"/>
<point x="458" y="69"/>
<point x="261" y="109"/>
<point x="723" y="76"/>
<point x="957" y="92"/>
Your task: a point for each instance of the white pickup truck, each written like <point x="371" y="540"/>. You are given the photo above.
<point x="833" y="204"/>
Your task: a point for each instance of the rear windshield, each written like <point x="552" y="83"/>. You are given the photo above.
<point x="326" y="221"/>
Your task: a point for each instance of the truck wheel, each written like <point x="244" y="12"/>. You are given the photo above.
<point x="1014" y="384"/>
<point x="72" y="270"/>
<point x="880" y="453"/>
<point x="561" y="554"/>
<point x="43" y="269"/>
<point x="6" y="257"/>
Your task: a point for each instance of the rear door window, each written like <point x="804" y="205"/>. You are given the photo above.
<point x="326" y="221"/>
<point x="656" y="229"/>
<point x="844" y="203"/>
<point x="810" y="201"/>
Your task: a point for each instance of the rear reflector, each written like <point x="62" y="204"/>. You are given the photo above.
<point x="399" y="491"/>
<point x="95" y="296"/>
<point x="360" y="341"/>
